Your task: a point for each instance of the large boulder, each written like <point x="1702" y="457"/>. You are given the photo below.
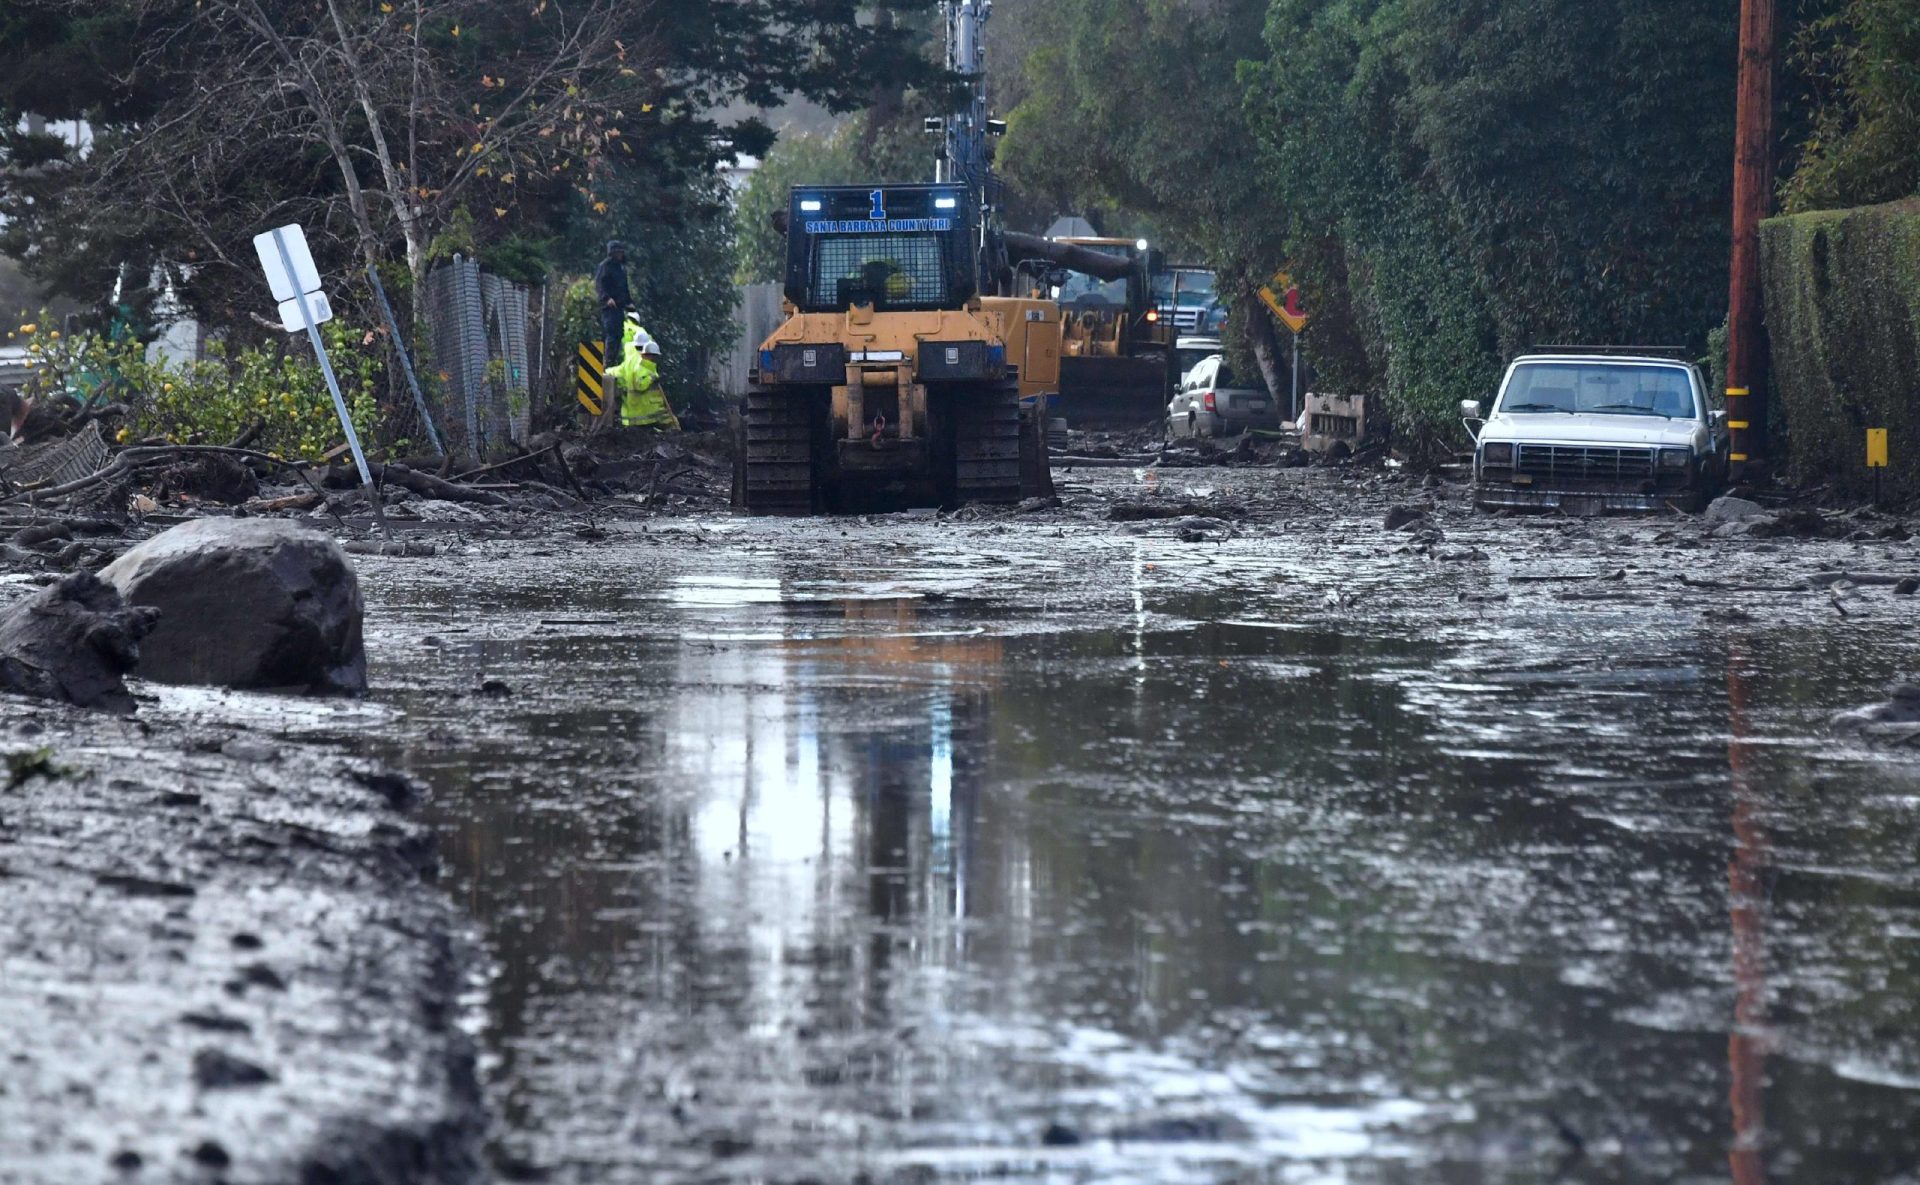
<point x="73" y="641"/>
<point x="257" y="603"/>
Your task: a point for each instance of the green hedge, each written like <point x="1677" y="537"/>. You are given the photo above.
<point x="1843" y="315"/>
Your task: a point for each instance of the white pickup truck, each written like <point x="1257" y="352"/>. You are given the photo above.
<point x="1590" y="431"/>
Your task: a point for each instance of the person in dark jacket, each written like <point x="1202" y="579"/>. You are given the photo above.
<point x="610" y="286"/>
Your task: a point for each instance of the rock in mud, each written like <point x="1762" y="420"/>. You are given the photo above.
<point x="1796" y="524"/>
<point x="74" y="641"/>
<point x="1402" y="517"/>
<point x="44" y="537"/>
<point x="249" y="603"/>
<point x="1731" y="509"/>
<point x="441" y="511"/>
<point x="1895" y="722"/>
<point x="216" y="1069"/>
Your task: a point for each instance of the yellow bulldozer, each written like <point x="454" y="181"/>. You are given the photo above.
<point x="895" y="380"/>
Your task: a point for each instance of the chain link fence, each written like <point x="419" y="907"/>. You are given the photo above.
<point x="486" y="352"/>
<point x="55" y="462"/>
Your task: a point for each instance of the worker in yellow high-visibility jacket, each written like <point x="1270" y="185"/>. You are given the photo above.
<point x="636" y="378"/>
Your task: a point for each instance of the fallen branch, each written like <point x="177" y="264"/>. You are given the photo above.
<point x="499" y="465"/>
<point x="169" y="451"/>
<point x="560" y="459"/>
<point x="1829" y="579"/>
<point x="1730" y="586"/>
<point x="541" y="487"/>
<point x="1569" y="579"/>
<point x="1105" y="462"/>
<point x="290" y="502"/>
<point x="250" y="435"/>
<point x="131" y="459"/>
<point x="428" y="486"/>
<point x="106" y="411"/>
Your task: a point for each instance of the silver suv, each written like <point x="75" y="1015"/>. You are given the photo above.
<point x="1213" y="401"/>
<point x="1588" y="431"/>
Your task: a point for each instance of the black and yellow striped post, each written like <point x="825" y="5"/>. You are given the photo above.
<point x="590" y="377"/>
<point x="1877" y="458"/>
<point x="1739" y="428"/>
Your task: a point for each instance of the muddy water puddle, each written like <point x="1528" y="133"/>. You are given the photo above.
<point x="817" y="852"/>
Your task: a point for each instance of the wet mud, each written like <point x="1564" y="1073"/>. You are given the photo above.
<point x="223" y="958"/>
<point x="1242" y="839"/>
<point x="1209" y="825"/>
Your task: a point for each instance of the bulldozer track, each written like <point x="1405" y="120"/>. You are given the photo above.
<point x="987" y="445"/>
<point x="778" y="452"/>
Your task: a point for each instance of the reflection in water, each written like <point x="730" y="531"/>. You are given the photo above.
<point x="1746" y="903"/>
<point x="802" y="875"/>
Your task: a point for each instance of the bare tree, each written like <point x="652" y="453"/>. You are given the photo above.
<point x="373" y="119"/>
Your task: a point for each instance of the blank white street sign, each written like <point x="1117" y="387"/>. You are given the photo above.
<point x="305" y="277"/>
<point x="296" y="285"/>
<point x="317" y="308"/>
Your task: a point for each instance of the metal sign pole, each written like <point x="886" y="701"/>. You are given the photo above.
<point x="406" y="364"/>
<point x="1293" y="404"/>
<point x="333" y="386"/>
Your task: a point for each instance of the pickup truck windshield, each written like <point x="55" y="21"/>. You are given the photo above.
<point x="1194" y="288"/>
<point x="1592" y="388"/>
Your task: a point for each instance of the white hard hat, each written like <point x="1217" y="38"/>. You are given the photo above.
<point x="649" y="346"/>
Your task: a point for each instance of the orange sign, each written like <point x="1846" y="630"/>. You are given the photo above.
<point x="1283" y="298"/>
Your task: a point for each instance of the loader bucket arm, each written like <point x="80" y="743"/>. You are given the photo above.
<point x="1085" y="260"/>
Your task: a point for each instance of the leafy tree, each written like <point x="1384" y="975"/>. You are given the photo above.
<point x="369" y="123"/>
<point x="1581" y="150"/>
<point x="1451" y="180"/>
<point x="1863" y="63"/>
<point x="1151" y="123"/>
<point x="1500" y="173"/>
<point x="62" y="64"/>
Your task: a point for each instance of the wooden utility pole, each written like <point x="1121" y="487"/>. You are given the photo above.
<point x="1752" y="202"/>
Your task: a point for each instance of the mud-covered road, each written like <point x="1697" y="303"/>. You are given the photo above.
<point x="1216" y="824"/>
<point x="1259" y="843"/>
